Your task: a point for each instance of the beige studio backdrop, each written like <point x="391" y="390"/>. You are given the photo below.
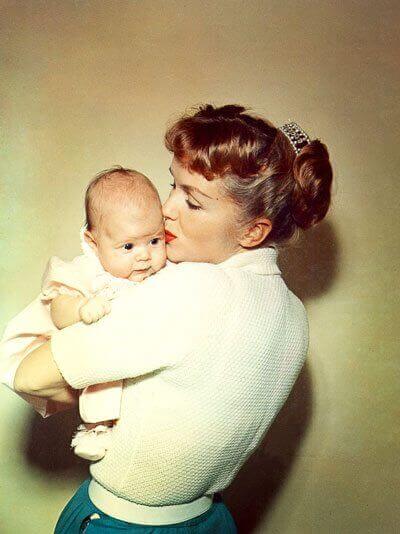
<point x="90" y="84"/>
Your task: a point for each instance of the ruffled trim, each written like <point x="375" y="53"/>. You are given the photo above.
<point x="104" y="283"/>
<point x="83" y="276"/>
<point x="56" y="289"/>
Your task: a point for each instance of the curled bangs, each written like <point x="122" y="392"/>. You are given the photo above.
<point x="218" y="146"/>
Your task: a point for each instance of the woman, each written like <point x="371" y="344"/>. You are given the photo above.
<point x="210" y="346"/>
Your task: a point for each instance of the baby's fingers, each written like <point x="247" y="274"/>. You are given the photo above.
<point x="94" y="310"/>
<point x="97" y="313"/>
<point x="86" y="316"/>
<point x="102" y="306"/>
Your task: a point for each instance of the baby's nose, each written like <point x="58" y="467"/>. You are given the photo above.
<point x="142" y="253"/>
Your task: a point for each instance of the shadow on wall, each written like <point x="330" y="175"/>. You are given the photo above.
<point x="256" y="486"/>
<point x="48" y="446"/>
<point x="309" y="268"/>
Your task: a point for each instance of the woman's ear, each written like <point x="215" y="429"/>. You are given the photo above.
<point x="90" y="239"/>
<point x="255" y="232"/>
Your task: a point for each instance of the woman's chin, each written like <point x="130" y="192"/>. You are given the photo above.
<point x="172" y="254"/>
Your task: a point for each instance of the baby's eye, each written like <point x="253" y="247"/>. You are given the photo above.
<point x="128" y="246"/>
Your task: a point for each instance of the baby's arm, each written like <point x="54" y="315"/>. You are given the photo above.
<point x="66" y="310"/>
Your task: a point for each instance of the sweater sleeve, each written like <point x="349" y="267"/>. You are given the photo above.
<point x="151" y="326"/>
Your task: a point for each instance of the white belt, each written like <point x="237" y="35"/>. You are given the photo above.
<point x="131" y="512"/>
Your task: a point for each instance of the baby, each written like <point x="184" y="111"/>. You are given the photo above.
<point x="123" y="243"/>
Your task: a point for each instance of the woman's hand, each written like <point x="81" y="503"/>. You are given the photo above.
<point x="36" y="371"/>
<point x="63" y="399"/>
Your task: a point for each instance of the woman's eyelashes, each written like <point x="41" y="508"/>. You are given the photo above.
<point x="190" y="204"/>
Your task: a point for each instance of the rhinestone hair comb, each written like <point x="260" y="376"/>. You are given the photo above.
<point x="296" y="135"/>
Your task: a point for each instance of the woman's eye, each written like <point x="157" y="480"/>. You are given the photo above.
<point x="155" y="241"/>
<point x="192" y="206"/>
<point x="128" y="246"/>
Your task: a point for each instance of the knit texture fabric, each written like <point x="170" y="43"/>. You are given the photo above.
<point x="209" y="354"/>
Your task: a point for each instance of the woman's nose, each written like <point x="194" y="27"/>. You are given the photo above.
<point x="169" y="209"/>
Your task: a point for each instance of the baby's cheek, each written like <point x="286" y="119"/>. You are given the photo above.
<point x="161" y="259"/>
<point x="120" y="267"/>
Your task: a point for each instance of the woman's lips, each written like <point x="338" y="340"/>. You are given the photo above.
<point x="169" y="236"/>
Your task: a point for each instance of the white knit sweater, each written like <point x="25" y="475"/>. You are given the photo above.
<point x="209" y="353"/>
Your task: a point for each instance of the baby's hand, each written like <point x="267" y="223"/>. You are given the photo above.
<point x="94" y="309"/>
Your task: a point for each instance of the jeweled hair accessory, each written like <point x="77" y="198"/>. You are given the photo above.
<point x="296" y="135"/>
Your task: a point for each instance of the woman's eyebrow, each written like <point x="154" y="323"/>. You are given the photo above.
<point x="190" y="188"/>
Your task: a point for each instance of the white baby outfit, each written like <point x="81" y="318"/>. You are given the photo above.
<point x="84" y="275"/>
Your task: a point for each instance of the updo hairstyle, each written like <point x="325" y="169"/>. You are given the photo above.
<point x="259" y="168"/>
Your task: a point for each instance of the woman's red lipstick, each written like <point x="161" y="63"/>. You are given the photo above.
<point x="169" y="236"/>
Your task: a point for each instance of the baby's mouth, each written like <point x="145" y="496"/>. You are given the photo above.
<point x="139" y="271"/>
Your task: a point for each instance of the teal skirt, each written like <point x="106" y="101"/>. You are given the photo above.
<point x="81" y="516"/>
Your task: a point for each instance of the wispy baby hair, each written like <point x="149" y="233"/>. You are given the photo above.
<point x="116" y="185"/>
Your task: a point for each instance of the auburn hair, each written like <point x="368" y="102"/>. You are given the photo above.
<point x="260" y="170"/>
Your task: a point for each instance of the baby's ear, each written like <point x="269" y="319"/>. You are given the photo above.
<point x="90" y="239"/>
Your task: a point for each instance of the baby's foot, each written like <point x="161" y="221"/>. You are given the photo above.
<point x="91" y="444"/>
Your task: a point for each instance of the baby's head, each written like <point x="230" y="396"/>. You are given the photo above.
<point x="125" y="225"/>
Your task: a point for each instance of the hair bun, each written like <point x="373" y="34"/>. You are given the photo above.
<point x="229" y="111"/>
<point x="312" y="189"/>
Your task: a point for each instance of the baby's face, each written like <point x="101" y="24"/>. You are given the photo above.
<point x="130" y="242"/>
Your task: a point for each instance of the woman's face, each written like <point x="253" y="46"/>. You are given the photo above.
<point x="201" y="217"/>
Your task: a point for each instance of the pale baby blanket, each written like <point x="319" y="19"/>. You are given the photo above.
<point x="84" y="275"/>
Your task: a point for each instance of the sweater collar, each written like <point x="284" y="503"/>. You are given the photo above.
<point x="259" y="261"/>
